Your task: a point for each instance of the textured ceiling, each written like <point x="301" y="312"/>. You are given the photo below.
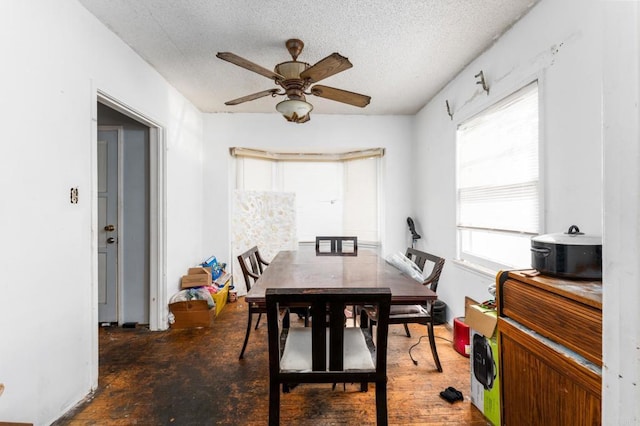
<point x="403" y="52"/>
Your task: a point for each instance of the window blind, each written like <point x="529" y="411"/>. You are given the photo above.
<point x="497" y="171"/>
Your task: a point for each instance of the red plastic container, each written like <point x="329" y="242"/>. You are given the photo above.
<point x="461" y="337"/>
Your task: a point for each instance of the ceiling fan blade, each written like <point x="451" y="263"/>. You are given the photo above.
<point x="332" y="64"/>
<point x="253" y="96"/>
<point x="241" y="62"/>
<point x="340" y="95"/>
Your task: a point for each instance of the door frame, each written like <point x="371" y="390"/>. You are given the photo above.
<point x="157" y="208"/>
<point x="157" y="218"/>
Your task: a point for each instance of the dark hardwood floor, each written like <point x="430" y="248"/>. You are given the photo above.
<point x="194" y="377"/>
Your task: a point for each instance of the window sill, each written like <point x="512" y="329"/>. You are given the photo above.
<point x="475" y="268"/>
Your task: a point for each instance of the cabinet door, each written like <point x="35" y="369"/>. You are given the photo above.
<point x="543" y="384"/>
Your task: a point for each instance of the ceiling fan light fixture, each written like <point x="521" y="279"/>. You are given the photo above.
<point x="294" y="110"/>
<point x="295" y="79"/>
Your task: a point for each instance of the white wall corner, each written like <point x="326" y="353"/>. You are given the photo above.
<point x="621" y="237"/>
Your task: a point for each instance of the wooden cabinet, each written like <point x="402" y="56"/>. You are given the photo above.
<point x="550" y="345"/>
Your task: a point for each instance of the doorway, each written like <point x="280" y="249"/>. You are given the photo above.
<point x="138" y="235"/>
<point x="123" y="219"/>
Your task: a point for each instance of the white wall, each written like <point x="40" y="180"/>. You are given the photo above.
<point x="586" y="55"/>
<point x="56" y="56"/>
<point x="621" y="135"/>
<point x="558" y="44"/>
<point x="323" y="132"/>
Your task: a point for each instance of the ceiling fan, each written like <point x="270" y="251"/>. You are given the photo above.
<point x="296" y="80"/>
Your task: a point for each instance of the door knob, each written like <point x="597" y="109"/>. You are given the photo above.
<point x="111" y="240"/>
<point x="109" y="228"/>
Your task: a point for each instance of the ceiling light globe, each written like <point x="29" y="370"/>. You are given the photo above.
<point x="294" y="110"/>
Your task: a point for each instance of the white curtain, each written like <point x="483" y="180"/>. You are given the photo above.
<point x="333" y="197"/>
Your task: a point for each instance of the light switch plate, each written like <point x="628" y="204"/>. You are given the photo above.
<point x="74" y="195"/>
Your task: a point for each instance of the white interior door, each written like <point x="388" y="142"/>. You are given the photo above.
<point x="108" y="141"/>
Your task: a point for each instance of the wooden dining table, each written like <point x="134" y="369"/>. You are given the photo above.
<point x="302" y="268"/>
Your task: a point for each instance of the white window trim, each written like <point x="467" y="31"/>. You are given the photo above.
<point x="463" y="116"/>
<point x="306" y="156"/>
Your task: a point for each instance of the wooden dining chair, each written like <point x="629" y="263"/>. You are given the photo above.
<point x="252" y="265"/>
<point x="327" y="352"/>
<point x="416" y="314"/>
<point x="337" y="246"/>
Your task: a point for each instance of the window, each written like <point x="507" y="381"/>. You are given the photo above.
<point x="336" y="194"/>
<point x="497" y="182"/>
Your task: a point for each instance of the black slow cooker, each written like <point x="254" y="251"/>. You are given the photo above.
<point x="570" y="254"/>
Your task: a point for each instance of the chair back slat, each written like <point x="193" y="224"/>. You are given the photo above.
<point x="420" y="258"/>
<point x="252" y="265"/>
<point x="338" y="246"/>
<point x="416" y="256"/>
<point x="318" y="337"/>
<point x="336" y="336"/>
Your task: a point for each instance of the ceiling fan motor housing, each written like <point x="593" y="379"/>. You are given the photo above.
<point x="291" y="69"/>
<point x="292" y="83"/>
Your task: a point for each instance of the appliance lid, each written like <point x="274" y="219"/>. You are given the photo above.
<point x="572" y="237"/>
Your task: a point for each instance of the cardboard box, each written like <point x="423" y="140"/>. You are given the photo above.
<point x="192" y="314"/>
<point x="199" y="270"/>
<point x="189" y="281"/>
<point x="483" y="320"/>
<point x="196" y="277"/>
<point x="484" y="358"/>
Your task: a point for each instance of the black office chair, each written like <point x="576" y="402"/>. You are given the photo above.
<point x="327" y="352"/>
<point x="416" y="314"/>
